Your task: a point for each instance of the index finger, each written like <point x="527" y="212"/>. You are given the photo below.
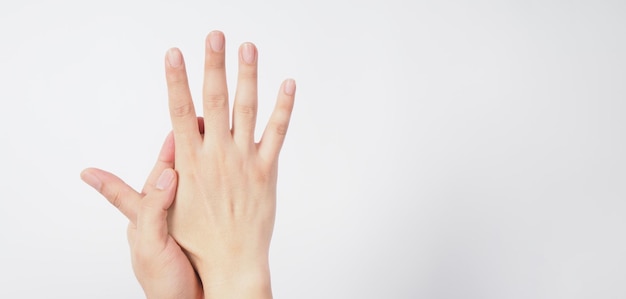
<point x="182" y="112"/>
<point x="116" y="191"/>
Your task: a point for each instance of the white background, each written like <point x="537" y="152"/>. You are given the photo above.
<point x="438" y="149"/>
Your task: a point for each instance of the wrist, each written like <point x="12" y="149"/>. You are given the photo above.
<point x="236" y="280"/>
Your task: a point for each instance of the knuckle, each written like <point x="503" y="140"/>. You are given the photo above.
<point x="175" y="79"/>
<point x="116" y="199"/>
<point x="248" y="73"/>
<point x="248" y="110"/>
<point x="281" y="128"/>
<point x="264" y="174"/>
<point x="149" y="204"/>
<point x="215" y="101"/>
<point x="286" y="106"/>
<point x="215" y="64"/>
<point x="182" y="110"/>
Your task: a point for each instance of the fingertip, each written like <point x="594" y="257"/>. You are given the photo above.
<point x="289" y="87"/>
<point x="174" y="57"/>
<point x="215" y="40"/>
<point x="166" y="179"/>
<point x="88" y="176"/>
<point x="248" y="52"/>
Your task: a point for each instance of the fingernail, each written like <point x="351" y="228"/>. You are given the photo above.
<point x="174" y="58"/>
<point x="91" y="180"/>
<point x="165" y="179"/>
<point x="248" y="53"/>
<point x="216" y="41"/>
<point x="290" y="87"/>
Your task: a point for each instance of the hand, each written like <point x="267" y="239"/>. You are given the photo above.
<point x="159" y="264"/>
<point x="223" y="216"/>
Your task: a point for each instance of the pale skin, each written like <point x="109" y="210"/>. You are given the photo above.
<point x="160" y="265"/>
<point x="213" y="240"/>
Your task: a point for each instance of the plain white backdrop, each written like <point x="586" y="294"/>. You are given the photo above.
<point x="438" y="149"/>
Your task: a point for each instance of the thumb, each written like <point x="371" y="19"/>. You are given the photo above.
<point x="152" y="216"/>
